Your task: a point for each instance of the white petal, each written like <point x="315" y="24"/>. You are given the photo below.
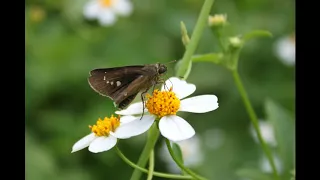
<point x="286" y="50"/>
<point x="175" y="128"/>
<point x="135" y="108"/>
<point x="199" y="104"/>
<point x="91" y="9"/>
<point x="122" y="7"/>
<point x="102" y="143"/>
<point x="106" y="17"/>
<point x="134" y="128"/>
<point x="83" y="143"/>
<point x="127" y="119"/>
<point x="180" y="87"/>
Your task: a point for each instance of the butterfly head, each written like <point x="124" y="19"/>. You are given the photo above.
<point x="162" y="69"/>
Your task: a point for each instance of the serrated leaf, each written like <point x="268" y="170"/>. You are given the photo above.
<point x="177" y="151"/>
<point x="253" y="174"/>
<point x="212" y="57"/>
<point x="284" y="126"/>
<point x="256" y="34"/>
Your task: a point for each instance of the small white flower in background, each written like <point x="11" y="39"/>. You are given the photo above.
<point x="106" y="132"/>
<point x="165" y="104"/>
<point x="191" y="153"/>
<point x="106" y="11"/>
<point x="218" y="20"/>
<point x="214" y="138"/>
<point x="267" y="133"/>
<point x="264" y="164"/>
<point x="285" y="49"/>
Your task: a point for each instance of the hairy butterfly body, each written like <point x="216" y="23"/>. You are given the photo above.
<point x="122" y="84"/>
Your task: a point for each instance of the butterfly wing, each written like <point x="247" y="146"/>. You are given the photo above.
<point x="125" y="97"/>
<point x="121" y="84"/>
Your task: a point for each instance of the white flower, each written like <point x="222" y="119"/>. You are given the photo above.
<point x="165" y="104"/>
<point x="264" y="164"/>
<point x="105" y="133"/>
<point x="106" y="11"/>
<point x="285" y="49"/>
<point x="267" y="133"/>
<point x="191" y="153"/>
<point x="214" y="138"/>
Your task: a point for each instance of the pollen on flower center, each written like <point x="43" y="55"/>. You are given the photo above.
<point x="163" y="103"/>
<point x="103" y="127"/>
<point x="105" y="3"/>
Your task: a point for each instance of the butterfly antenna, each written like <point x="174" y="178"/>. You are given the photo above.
<point x="173" y="61"/>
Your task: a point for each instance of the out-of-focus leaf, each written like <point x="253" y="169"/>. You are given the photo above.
<point x="39" y="163"/>
<point x="253" y="174"/>
<point x="284" y="126"/>
<point x="256" y="34"/>
<point x="293" y="174"/>
<point x="73" y="10"/>
<point x="177" y="151"/>
<point x="75" y="174"/>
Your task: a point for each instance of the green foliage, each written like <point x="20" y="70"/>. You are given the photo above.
<point x="177" y="151"/>
<point x="284" y="125"/>
<point x="255" y="174"/>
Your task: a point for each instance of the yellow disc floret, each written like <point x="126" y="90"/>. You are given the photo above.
<point x="106" y="3"/>
<point x="103" y="127"/>
<point x="163" y="103"/>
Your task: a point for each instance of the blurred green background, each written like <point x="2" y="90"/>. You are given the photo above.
<point x="62" y="47"/>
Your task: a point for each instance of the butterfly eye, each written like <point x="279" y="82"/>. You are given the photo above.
<point x="162" y="69"/>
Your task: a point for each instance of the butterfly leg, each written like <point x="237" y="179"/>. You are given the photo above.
<point x="164" y="84"/>
<point x="143" y="103"/>
<point x="154" y="85"/>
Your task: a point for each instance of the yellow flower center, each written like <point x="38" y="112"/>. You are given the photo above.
<point x="103" y="127"/>
<point x="106" y="3"/>
<point x="163" y="103"/>
<point x="37" y="14"/>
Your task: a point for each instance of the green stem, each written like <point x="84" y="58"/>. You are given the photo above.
<point x="151" y="165"/>
<point x="215" y="58"/>
<point x="217" y="33"/>
<point x="254" y="121"/>
<point x="159" y="174"/>
<point x="183" y="168"/>
<point x="151" y="141"/>
<point x="195" y="37"/>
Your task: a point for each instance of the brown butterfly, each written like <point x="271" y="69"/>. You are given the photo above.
<point x="122" y="84"/>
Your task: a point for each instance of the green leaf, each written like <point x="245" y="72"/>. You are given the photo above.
<point x="284" y="126"/>
<point x="253" y="174"/>
<point x="212" y="57"/>
<point x="177" y="151"/>
<point x="256" y="34"/>
<point x="40" y="164"/>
